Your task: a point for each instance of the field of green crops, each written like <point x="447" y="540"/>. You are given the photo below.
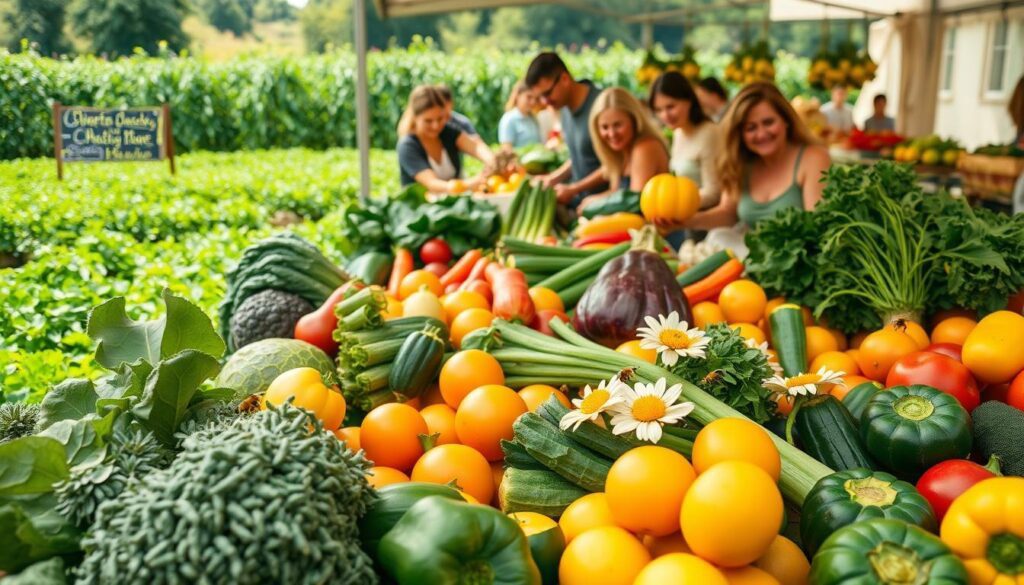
<point x="131" y="229"/>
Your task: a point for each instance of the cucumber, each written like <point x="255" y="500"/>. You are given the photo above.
<point x="546" y="443"/>
<point x="856" y="400"/>
<point x="588" y="434"/>
<point x="371" y="267"/>
<point x="516" y="456"/>
<point x="828" y="434"/>
<point x="417" y="363"/>
<point x="536" y="490"/>
<point x="789" y="338"/>
<point x="702" y="269"/>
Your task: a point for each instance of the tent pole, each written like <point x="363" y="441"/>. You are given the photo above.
<point x="362" y="99"/>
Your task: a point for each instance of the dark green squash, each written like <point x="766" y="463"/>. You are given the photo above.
<point x="417" y="363"/>
<point x="828" y="433"/>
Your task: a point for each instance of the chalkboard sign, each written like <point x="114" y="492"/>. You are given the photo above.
<point x="86" y="134"/>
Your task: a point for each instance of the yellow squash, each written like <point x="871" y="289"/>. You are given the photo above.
<point x="307" y="389"/>
<point x="985" y="528"/>
<point x="609" y="224"/>
<point x="669" y="198"/>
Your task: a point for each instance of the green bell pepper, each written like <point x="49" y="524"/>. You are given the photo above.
<point x="847" y="497"/>
<point x="910" y="428"/>
<point x="444" y="542"/>
<point x="393" y="502"/>
<point x="887" y="552"/>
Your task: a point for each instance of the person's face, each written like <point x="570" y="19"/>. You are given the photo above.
<point x="553" y="91"/>
<point x="880" y="107"/>
<point x="764" y="130"/>
<point x="838" y="95"/>
<point x="429" y="123"/>
<point x="671" y="111"/>
<point x="615" y="128"/>
<point x="526" y="101"/>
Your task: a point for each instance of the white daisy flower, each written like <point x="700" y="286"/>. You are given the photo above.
<point x="672" y="338"/>
<point x="646" y="407"/>
<point x="592" y="403"/>
<point x="772" y="361"/>
<point x="804" y="384"/>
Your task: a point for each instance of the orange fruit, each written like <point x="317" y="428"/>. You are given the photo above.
<point x="632" y="347"/>
<point x="393" y="310"/>
<point x="461" y="300"/>
<point x="784" y="404"/>
<point x="705" y="313"/>
<point x="749" y="575"/>
<point x="497" y="474"/>
<point x="536" y="394"/>
<point x="742" y="301"/>
<point x="944" y="314"/>
<point x="467" y="322"/>
<point x="350" y="435"/>
<point x="545" y="298"/>
<point x="494" y="181"/>
<point x="836" y="361"/>
<point x="379" y="477"/>
<point x="819" y="340"/>
<point x="432" y="395"/>
<point x="464" y="465"/>
<point x="880" y="350"/>
<point x="390" y="435"/>
<point x="735" y="439"/>
<point x="849" y="383"/>
<point x="785" y="561"/>
<point x="485" y="417"/>
<point x="750" y="331"/>
<point x="607" y="555"/>
<point x="465" y="371"/>
<point x="440" y="419"/>
<point x="857" y="339"/>
<point x="590" y="511"/>
<point x="663" y="545"/>
<point x="841" y="341"/>
<point x="953" y="330"/>
<point x="772" y="304"/>
<point x="645" y="489"/>
<point x="680" y="568"/>
<point x="418" y="279"/>
<point x="913" y="329"/>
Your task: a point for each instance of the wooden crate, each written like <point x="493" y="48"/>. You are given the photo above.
<point x="990" y="176"/>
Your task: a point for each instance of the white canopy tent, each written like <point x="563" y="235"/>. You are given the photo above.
<point x="905" y="39"/>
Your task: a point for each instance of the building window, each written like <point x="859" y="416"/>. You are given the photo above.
<point x="948" y="48"/>
<point x="997" y="57"/>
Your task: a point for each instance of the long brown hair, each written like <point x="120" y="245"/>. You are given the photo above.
<point x="616" y="98"/>
<point x="735" y="155"/>
<point x="1016" y="105"/>
<point x="422" y="98"/>
<point x="674" y="85"/>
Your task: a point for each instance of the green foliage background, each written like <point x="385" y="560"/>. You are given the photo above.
<point x="283" y="102"/>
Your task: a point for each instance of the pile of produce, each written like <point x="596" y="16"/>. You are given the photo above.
<point x="846" y="66"/>
<point x="654" y="65"/>
<point x="928" y="150"/>
<point x="751" y="63"/>
<point x="537" y="411"/>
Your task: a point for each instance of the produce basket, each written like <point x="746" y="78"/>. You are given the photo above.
<point x="500" y="200"/>
<point x="990" y="176"/>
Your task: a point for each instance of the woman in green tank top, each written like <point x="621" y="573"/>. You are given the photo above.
<point x="769" y="161"/>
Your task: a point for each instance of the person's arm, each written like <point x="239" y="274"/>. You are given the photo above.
<point x="815" y="162"/>
<point x="475" y="147"/>
<point x="710" y="187"/>
<point x="721" y="215"/>
<point x="428" y="178"/>
<point x="565" y="193"/>
<point x="556" y="176"/>
<point x="648" y="158"/>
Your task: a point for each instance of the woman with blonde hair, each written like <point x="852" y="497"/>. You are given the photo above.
<point x="518" y="126"/>
<point x="430" y="150"/>
<point x="768" y="162"/>
<point x="626" y="141"/>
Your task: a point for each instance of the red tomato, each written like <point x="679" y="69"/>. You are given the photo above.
<point x="542" y="318"/>
<point x="938" y="371"/>
<point x="945" y="481"/>
<point x="435" y="250"/>
<point x="1015" y="394"/>
<point x="1016" y="302"/>
<point x="438" y="268"/>
<point x="947" y="349"/>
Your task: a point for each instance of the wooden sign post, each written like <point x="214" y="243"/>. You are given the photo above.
<point x="85" y="134"/>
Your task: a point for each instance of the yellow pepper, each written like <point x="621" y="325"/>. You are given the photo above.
<point x="985" y="528"/>
<point x="305" y="386"/>
<point x="606" y="224"/>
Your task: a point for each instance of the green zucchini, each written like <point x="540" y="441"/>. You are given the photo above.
<point x="514" y="207"/>
<point x="856" y="400"/>
<point x="546" y="443"/>
<point x="789" y="338"/>
<point x="514" y="245"/>
<point x="705" y="267"/>
<point x="588" y="434"/>
<point x="829" y="435"/>
<point x="371" y="267"/>
<point x="581" y="270"/>
<point x="536" y="490"/>
<point x="516" y="456"/>
<point x="417" y="363"/>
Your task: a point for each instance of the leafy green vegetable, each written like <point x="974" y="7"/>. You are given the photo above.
<point x="71" y="399"/>
<point x="732" y="372"/>
<point x="169" y="391"/>
<point x="28" y="538"/>
<point x="49" y="572"/>
<point x="877" y="248"/>
<point x="17" y="419"/>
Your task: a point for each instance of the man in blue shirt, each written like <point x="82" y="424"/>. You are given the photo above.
<point x="550" y="80"/>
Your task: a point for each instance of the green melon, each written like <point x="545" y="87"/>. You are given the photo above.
<point x="251" y="369"/>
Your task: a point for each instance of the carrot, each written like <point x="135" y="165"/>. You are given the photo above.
<point x="482" y="287"/>
<point x="403" y="265"/>
<point x="477" y="273"/>
<point x="512" y="300"/>
<point x="708" y="287"/>
<point x="460" y="270"/>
